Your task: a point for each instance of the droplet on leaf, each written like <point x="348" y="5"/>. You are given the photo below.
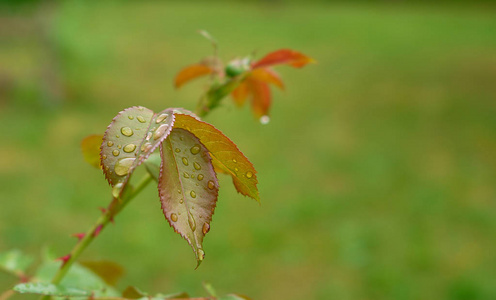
<point x="160" y="131"/>
<point x="141" y="119"/>
<point x="200" y="177"/>
<point x="126" y="131"/>
<point x="249" y="174"/>
<point x="174" y="217"/>
<point x="185" y="161"/>
<point x="206" y="228"/>
<point x="193" y="194"/>
<point x="130" y="117"/>
<point x="178" y="150"/>
<point x="211" y="184"/>
<point x="192" y="222"/>
<point x="161" y="118"/>
<point x="195" y="149"/>
<point x="265" y="120"/>
<point x="186" y="175"/>
<point x="116" y="152"/>
<point x="110" y="143"/>
<point x="197" y="166"/>
<point x="123" y="165"/>
<point x="129" y="148"/>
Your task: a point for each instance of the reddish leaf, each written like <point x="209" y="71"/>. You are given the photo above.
<point x="240" y="93"/>
<point x="188" y="187"/>
<point x="267" y="75"/>
<point x="283" y="56"/>
<point x="225" y="152"/>
<point x="109" y="271"/>
<point x="130" y="139"/>
<point x="261" y="97"/>
<point x="191" y="72"/>
<point x="90" y="146"/>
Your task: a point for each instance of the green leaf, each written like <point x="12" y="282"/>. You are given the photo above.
<point x="49" y="289"/>
<point x="188" y="187"/>
<point x="90" y="146"/>
<point x="15" y="262"/>
<point x="225" y="153"/>
<point x="130" y="139"/>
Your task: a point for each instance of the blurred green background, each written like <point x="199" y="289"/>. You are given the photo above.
<point x="377" y="171"/>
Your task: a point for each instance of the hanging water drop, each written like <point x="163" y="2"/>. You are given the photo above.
<point x="206" y="228"/>
<point x="265" y="120"/>
<point x="126" y="131"/>
<point x="201" y="254"/>
<point x="116" y="190"/>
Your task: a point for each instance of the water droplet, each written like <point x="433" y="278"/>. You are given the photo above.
<point x="119" y="146"/>
<point x="117" y="135"/>
<point x="206" y="228"/>
<point x="192" y="175"/>
<point x="211" y="184"/>
<point x="234" y="160"/>
<point x="116" y="152"/>
<point x="178" y="150"/>
<point x="197" y="166"/>
<point x="104" y="156"/>
<point x="193" y="194"/>
<point x="107" y="168"/>
<point x="236" y="169"/>
<point x="195" y="149"/>
<point x="146" y="147"/>
<point x="161" y="118"/>
<point x="192" y="222"/>
<point x="130" y="117"/>
<point x="201" y="254"/>
<point x="116" y="190"/>
<point x="249" y="174"/>
<point x="185" y="161"/>
<point x="179" y="191"/>
<point x="200" y="177"/>
<point x="160" y="131"/>
<point x="129" y="148"/>
<point x="181" y="201"/>
<point x="148" y="136"/>
<point x="126" y="131"/>
<point x="186" y="175"/>
<point x="265" y="120"/>
<point x="141" y="119"/>
<point x="123" y="165"/>
<point x="110" y="143"/>
<point x="174" y="217"/>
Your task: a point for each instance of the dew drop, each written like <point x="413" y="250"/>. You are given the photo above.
<point x="181" y="201"/>
<point x="265" y="120"/>
<point x="179" y="191"/>
<point x="126" y="131"/>
<point x="174" y="217"/>
<point x="192" y="222"/>
<point x="104" y="156"/>
<point x="211" y="184"/>
<point x="195" y="149"/>
<point x="192" y="175"/>
<point x="200" y="177"/>
<point x="178" y="150"/>
<point x="193" y="194"/>
<point x="249" y="174"/>
<point x="185" y="161"/>
<point x="197" y="166"/>
<point x="123" y="165"/>
<point x="116" y="152"/>
<point x="117" y="135"/>
<point x="119" y="146"/>
<point x="161" y="118"/>
<point x="110" y="143"/>
<point x="146" y="147"/>
<point x="130" y="117"/>
<point x="234" y="160"/>
<point x="236" y="169"/>
<point x="148" y="136"/>
<point x="206" y="228"/>
<point x="141" y="119"/>
<point x="160" y="131"/>
<point x="116" y="190"/>
<point x="129" y="148"/>
<point x="186" y="175"/>
<point x="201" y="254"/>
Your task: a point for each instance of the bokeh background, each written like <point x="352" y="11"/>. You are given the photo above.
<point x="377" y="171"/>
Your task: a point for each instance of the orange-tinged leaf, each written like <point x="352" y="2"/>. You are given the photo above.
<point x="284" y="56"/>
<point x="267" y="75"/>
<point x="261" y="97"/>
<point x="188" y="187"/>
<point x="109" y="271"/>
<point x="90" y="146"/>
<point x="240" y="93"/>
<point x="191" y="72"/>
<point x="225" y="152"/>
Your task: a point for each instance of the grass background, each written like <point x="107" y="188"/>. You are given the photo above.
<point x="377" y="171"/>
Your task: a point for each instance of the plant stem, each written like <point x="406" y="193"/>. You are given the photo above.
<point x="115" y="207"/>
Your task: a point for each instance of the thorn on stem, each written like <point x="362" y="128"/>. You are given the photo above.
<point x="79" y="236"/>
<point x="97" y="230"/>
<point x="103" y="210"/>
<point x="64" y="259"/>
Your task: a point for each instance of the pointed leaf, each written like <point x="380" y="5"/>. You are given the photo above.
<point x="130" y="139"/>
<point x="90" y="146"/>
<point x="240" y="93"/>
<point x="225" y="152"/>
<point x="283" y="56"/>
<point x="261" y="97"/>
<point x="191" y="72"/>
<point x="109" y="271"/>
<point x="188" y="187"/>
<point x="267" y="75"/>
<point x="49" y="289"/>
